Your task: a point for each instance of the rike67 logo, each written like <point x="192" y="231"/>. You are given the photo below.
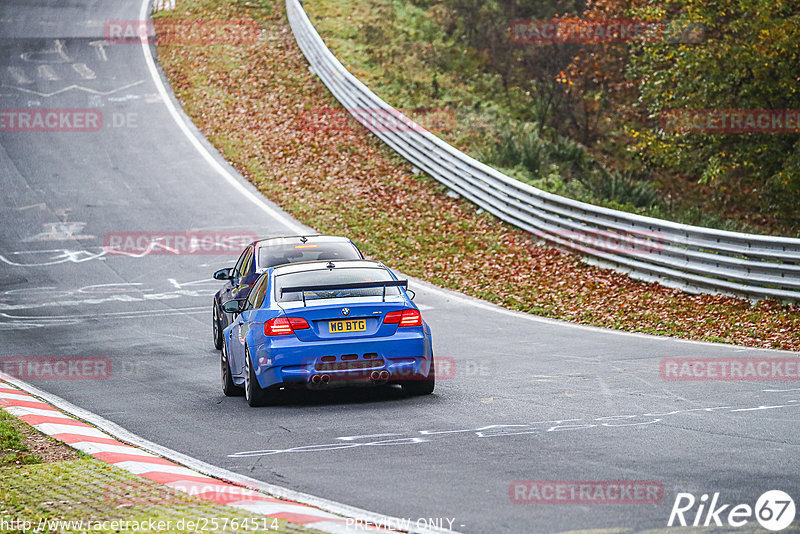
<point x="774" y="510"/>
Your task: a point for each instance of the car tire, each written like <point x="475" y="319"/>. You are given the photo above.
<point x="423" y="386"/>
<point x="228" y="387"/>
<point x="217" y="328"/>
<point x="255" y="394"/>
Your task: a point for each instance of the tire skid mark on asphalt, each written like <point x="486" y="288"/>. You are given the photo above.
<point x="125" y="298"/>
<point x="505" y="430"/>
<point x="96" y="294"/>
<point x="102" y="446"/>
<point x="21" y="322"/>
<point x="75" y="87"/>
<point x="42" y="296"/>
<point x="57" y="256"/>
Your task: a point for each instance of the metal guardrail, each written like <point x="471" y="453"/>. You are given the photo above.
<point x="690" y="257"/>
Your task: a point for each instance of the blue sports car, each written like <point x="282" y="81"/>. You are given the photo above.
<point x="324" y="324"/>
<point x="260" y="255"/>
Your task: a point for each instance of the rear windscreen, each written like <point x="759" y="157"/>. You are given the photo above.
<point x="272" y="255"/>
<point x="333" y="276"/>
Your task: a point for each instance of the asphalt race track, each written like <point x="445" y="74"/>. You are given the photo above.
<point x="524" y="398"/>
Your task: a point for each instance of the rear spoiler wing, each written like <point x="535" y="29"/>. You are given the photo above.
<point x="351" y="285"/>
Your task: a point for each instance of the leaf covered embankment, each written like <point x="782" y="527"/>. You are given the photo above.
<point x="279" y="126"/>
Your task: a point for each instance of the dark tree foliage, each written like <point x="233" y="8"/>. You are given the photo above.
<point x="608" y="98"/>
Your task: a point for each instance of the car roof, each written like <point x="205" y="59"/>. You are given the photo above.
<point x="293" y="239"/>
<point x="322" y="265"/>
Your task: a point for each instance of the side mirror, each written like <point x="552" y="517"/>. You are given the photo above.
<point x="224" y="274"/>
<point x="234" y="306"/>
<point x="411" y="294"/>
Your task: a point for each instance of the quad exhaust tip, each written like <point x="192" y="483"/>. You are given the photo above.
<point x="379" y="376"/>
<point x="324" y="379"/>
<point x="320" y="380"/>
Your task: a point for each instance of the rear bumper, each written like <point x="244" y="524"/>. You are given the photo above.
<point x="406" y="355"/>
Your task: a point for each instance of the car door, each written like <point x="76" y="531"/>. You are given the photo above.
<point x="238" y="286"/>
<point x="244" y="275"/>
<point x="243" y="323"/>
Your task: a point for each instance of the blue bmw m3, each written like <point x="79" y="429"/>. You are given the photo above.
<point x="269" y="252"/>
<point x="325" y="324"/>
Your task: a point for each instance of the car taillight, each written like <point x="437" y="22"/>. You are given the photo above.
<point x="283" y="326"/>
<point x="403" y="318"/>
<point x="298" y="323"/>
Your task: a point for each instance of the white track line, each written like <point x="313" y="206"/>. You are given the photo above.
<point x="282" y="218"/>
<point x="107" y="427"/>
<point x="292" y="225"/>
<point x="296" y="227"/>
<point x="142" y="463"/>
<point x="17" y="411"/>
<point x="449" y="294"/>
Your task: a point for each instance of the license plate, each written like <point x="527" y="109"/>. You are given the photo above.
<point x="352" y="325"/>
